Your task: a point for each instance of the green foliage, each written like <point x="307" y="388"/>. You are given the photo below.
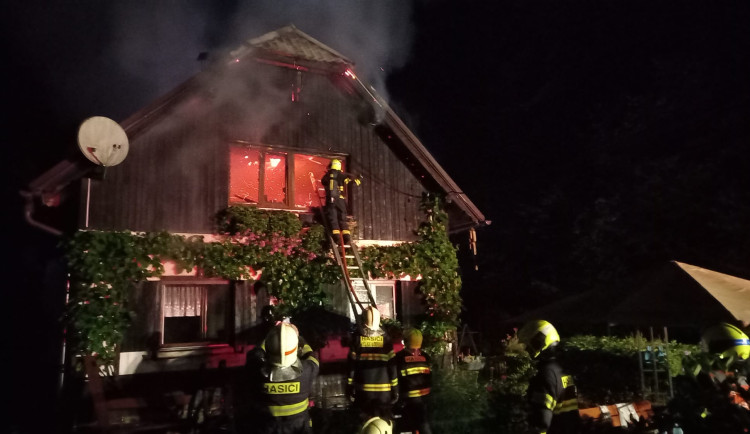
<point x="507" y="375"/>
<point x="393" y="328"/>
<point x="105" y="265"/>
<point x="459" y="403"/>
<point x="241" y="219"/>
<point x="434" y="258"/>
<point x="583" y="357"/>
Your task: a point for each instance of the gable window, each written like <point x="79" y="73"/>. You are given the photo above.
<point x="275" y="178"/>
<point x="196" y="313"/>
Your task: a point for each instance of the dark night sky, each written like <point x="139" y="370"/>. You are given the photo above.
<point x="600" y="137"/>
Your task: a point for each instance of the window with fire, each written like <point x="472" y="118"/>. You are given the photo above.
<point x="275" y="178"/>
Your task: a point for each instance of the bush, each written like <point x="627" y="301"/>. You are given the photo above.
<point x="606" y="368"/>
<point x="458" y="403"/>
<point x="508" y="376"/>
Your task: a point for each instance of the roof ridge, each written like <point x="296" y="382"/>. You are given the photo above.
<point x="262" y="41"/>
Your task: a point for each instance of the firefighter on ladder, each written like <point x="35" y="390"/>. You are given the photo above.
<point x="335" y="182"/>
<point x="372" y="384"/>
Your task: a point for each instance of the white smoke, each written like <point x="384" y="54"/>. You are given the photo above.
<point x="158" y="42"/>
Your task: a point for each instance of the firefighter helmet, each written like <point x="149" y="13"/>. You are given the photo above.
<point x="371" y="317"/>
<point x="413" y="338"/>
<point x="336" y="164"/>
<point x="537" y="336"/>
<point x="726" y="340"/>
<point x="281" y="345"/>
<point x="377" y="425"/>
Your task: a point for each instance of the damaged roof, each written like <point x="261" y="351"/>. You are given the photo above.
<point x="294" y="44"/>
<point x="290" y="46"/>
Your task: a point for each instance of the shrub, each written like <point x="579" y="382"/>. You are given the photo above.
<point x="459" y="403"/>
<point x="606" y="368"/>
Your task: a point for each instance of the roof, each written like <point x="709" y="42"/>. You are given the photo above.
<point x="676" y="295"/>
<point x="292" y="43"/>
<point x="290" y="46"/>
<point x="686" y="295"/>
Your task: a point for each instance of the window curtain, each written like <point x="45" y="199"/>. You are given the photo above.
<point x="184" y="300"/>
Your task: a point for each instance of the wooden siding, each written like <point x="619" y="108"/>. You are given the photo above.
<point x="145" y="302"/>
<point x="176" y="175"/>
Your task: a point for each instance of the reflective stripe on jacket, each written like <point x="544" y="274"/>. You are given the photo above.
<point x="415" y="375"/>
<point x="372" y="369"/>
<point x="291" y="397"/>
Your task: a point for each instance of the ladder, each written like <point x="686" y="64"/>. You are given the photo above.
<point x="348" y="259"/>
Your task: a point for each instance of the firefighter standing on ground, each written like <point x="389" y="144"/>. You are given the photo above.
<point x="372" y="383"/>
<point x="335" y="182"/>
<point x="722" y="389"/>
<point x="280" y="384"/>
<point x="415" y="380"/>
<point x="552" y="397"/>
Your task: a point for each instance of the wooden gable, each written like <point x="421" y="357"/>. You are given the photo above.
<point x="285" y="91"/>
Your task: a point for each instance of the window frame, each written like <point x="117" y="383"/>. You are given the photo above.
<point x="361" y="292"/>
<point x="207" y="283"/>
<point x="290" y="189"/>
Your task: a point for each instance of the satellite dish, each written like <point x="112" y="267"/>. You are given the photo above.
<point x="103" y="141"/>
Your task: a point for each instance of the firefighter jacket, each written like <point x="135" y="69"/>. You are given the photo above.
<point x="723" y="398"/>
<point x="414" y="375"/>
<point x="284" y="403"/>
<point x="335" y="182"/>
<point x="552" y="397"/>
<point x="372" y="368"/>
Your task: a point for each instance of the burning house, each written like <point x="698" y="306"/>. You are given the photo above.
<point x="257" y="129"/>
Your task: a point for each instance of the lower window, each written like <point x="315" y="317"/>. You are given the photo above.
<point x="196" y="313"/>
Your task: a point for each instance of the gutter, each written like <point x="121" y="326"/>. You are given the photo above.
<point x="29" y="215"/>
<point x="467" y="226"/>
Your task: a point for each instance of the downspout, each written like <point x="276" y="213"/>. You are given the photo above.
<point x="29" y="215"/>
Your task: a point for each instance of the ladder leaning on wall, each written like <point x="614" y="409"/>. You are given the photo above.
<point x="348" y="259"/>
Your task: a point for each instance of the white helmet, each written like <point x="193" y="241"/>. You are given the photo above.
<point x="377" y="425"/>
<point x="371" y="318"/>
<point x="281" y="345"/>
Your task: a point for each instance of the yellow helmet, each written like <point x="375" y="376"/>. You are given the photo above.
<point x="537" y="336"/>
<point x="377" y="425"/>
<point x="413" y="338"/>
<point x="726" y="340"/>
<point x="336" y="164"/>
<point x="371" y="317"/>
<point x="281" y="345"/>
